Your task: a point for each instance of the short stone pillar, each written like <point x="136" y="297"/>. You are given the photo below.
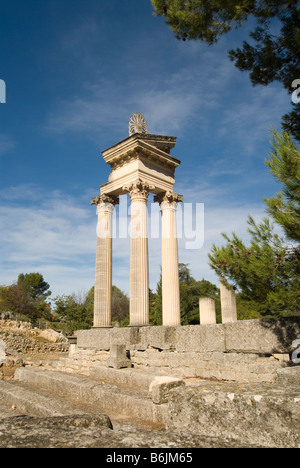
<point x="103" y="280"/>
<point x="2" y="352"/>
<point x="118" y="357"/>
<point x="140" y="165"/>
<point x="73" y="345"/>
<point x="228" y="302"/>
<point x="207" y="308"/>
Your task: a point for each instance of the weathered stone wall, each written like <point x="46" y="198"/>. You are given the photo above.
<point x="18" y="344"/>
<point x="245" y="351"/>
<point x="272" y="336"/>
<point x="21" y="338"/>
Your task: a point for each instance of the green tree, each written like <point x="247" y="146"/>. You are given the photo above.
<point x="77" y="313"/>
<point x="35" y="285"/>
<point x="284" y="165"/>
<point x="155" y="305"/>
<point x="119" y="305"/>
<point x="247" y="309"/>
<point x="267" y="272"/>
<point x="271" y="56"/>
<point x="190" y="292"/>
<point x="16" y="299"/>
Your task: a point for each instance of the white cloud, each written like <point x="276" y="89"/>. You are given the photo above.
<point x="197" y="99"/>
<point x="171" y="101"/>
<point x="56" y="235"/>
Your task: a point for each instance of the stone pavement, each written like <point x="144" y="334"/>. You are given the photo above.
<point x="54" y="409"/>
<point x="87" y="432"/>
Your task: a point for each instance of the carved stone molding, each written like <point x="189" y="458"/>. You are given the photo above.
<point x="101" y="199"/>
<point x="139" y="189"/>
<point x="137" y="124"/>
<point x="168" y="198"/>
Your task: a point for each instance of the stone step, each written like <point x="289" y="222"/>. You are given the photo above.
<point x="107" y="398"/>
<point x="242" y="368"/>
<point x="260" y="414"/>
<point x="24" y="398"/>
<point x="132" y="378"/>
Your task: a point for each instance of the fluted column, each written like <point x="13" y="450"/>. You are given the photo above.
<point x="207" y="307"/>
<point x="170" y="270"/>
<point x="139" y="263"/>
<point x="228" y="302"/>
<point x="103" y="279"/>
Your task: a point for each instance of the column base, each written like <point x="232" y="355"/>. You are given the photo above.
<point x="104" y="326"/>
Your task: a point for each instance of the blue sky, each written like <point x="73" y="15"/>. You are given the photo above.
<point x="75" y="71"/>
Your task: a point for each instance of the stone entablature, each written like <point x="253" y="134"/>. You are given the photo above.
<point x="141" y="157"/>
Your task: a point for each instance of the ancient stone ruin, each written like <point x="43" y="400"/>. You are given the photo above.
<point x="230" y="384"/>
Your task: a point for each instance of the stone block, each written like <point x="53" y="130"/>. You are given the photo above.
<point x="289" y="377"/>
<point x="96" y="338"/>
<point x="228" y="303"/>
<point x="207" y="309"/>
<point x="118" y="358"/>
<point x="267" y="336"/>
<point x="160" y="387"/>
<point x="163" y="338"/>
<point x="200" y="338"/>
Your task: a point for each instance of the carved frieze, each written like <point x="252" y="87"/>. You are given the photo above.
<point x="105" y="199"/>
<point x="168" y="197"/>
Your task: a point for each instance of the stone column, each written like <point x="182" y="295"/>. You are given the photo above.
<point x="228" y="302"/>
<point x="139" y="263"/>
<point x="170" y="271"/>
<point x="207" y="307"/>
<point x="103" y="280"/>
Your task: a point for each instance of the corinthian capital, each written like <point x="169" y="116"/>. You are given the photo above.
<point x="139" y="189"/>
<point x="168" y="198"/>
<point x="101" y="199"/>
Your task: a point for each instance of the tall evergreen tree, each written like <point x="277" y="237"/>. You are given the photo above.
<point x="284" y="165"/>
<point x="272" y="54"/>
<point x="35" y="285"/>
<point x="190" y="292"/>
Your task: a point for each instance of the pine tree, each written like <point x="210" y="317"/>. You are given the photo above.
<point x="271" y="54"/>
<point x="267" y="272"/>
<point x="284" y="165"/>
<point x="264" y="272"/>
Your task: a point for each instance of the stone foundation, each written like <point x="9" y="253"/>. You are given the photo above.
<point x="245" y="351"/>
